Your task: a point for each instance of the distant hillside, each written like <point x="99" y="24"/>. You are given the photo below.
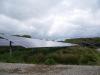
<point x="79" y="40"/>
<point x="0" y="37"/>
<point x="85" y="41"/>
<point x="27" y="36"/>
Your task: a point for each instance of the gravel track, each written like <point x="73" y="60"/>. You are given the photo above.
<point x="32" y="69"/>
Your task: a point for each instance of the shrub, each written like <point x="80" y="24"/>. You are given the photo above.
<point x="89" y="59"/>
<point x="50" y="61"/>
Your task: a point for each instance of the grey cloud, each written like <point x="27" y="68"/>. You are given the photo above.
<point x="93" y="4"/>
<point x="24" y="9"/>
<point x="13" y="26"/>
<point x="50" y="18"/>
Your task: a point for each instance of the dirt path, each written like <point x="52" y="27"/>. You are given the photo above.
<point x="31" y="69"/>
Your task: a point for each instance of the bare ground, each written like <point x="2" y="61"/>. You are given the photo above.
<point x="32" y="69"/>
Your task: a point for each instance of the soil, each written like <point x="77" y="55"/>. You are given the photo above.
<point x="33" y="69"/>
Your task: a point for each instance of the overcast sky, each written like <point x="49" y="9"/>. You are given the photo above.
<point x="51" y="18"/>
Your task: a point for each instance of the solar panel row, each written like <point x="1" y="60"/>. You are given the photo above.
<point x="31" y="43"/>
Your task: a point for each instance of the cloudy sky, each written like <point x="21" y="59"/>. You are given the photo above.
<point x="51" y="18"/>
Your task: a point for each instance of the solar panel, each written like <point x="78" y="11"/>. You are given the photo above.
<point x="4" y="42"/>
<point x="33" y="43"/>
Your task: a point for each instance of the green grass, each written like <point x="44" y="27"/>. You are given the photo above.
<point x="71" y="55"/>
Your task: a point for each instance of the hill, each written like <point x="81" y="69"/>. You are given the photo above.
<point x="94" y="42"/>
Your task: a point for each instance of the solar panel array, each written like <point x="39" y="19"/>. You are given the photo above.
<point x="33" y="43"/>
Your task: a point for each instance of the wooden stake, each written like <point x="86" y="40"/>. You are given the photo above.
<point x="10" y="48"/>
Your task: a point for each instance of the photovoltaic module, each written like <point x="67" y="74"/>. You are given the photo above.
<point x="31" y="43"/>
